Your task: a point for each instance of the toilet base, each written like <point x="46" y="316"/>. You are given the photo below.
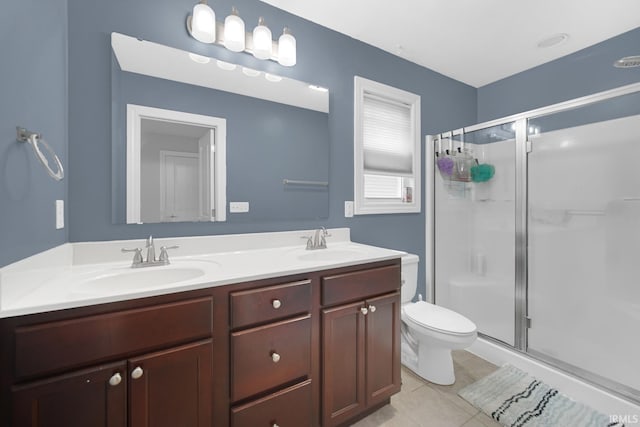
<point x="435" y="365"/>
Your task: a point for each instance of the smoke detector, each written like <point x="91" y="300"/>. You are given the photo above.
<point x="553" y="40"/>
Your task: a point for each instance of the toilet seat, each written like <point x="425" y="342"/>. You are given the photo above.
<point x="439" y="319"/>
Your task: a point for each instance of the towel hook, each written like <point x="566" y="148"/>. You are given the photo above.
<point x="36" y="141"/>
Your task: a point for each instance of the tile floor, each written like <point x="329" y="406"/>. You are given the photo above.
<point x="424" y="404"/>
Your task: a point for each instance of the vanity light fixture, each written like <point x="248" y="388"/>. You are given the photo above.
<point x="234" y="34"/>
<point x="287" y="49"/>
<point x="262" y="43"/>
<point x="203" y="23"/>
<point x="202" y="26"/>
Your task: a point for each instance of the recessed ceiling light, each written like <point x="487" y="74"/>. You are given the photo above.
<point x="553" y="40"/>
<point x="628" y="62"/>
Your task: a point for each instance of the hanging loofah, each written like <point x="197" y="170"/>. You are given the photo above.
<point x="482" y="173"/>
<point x="445" y="165"/>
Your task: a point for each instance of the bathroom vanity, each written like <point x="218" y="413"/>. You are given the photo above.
<point x="318" y="347"/>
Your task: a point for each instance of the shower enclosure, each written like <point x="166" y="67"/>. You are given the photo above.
<point x="536" y="234"/>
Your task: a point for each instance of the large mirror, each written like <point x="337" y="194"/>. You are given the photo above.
<point x="277" y="139"/>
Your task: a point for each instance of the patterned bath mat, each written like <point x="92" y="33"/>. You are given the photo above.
<point x="514" y="398"/>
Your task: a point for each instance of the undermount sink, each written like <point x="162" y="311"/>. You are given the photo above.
<point x="142" y="278"/>
<point x="330" y="254"/>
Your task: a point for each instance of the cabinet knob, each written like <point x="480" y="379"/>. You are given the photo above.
<point x="372" y="308"/>
<point x="275" y="357"/>
<point x="364" y="310"/>
<point x="275" y="425"/>
<point x="276" y="303"/>
<point x="137" y="373"/>
<point x="115" y="379"/>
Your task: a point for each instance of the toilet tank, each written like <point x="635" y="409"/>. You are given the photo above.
<point x="409" y="275"/>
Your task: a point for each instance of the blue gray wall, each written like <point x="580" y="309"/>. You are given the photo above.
<point x="324" y="57"/>
<point x="582" y="73"/>
<point x="33" y="82"/>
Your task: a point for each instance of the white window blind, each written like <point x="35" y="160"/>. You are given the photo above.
<point x="387" y="136"/>
<point x="382" y="187"/>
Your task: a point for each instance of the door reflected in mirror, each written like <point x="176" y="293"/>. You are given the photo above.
<point x="175" y="166"/>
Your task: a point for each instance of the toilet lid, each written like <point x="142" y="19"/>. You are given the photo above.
<point x="439" y="318"/>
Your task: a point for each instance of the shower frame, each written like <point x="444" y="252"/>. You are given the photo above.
<point x="522" y="149"/>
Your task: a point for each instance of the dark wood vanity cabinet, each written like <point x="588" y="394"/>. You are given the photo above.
<point x="158" y="389"/>
<point x="78" y="399"/>
<point x="361" y="343"/>
<point x="294" y="351"/>
<point x="271" y="355"/>
<point x="168" y="387"/>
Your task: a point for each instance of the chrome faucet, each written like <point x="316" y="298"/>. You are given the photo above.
<point x="151" y="250"/>
<point x="318" y="240"/>
<point x="151" y="261"/>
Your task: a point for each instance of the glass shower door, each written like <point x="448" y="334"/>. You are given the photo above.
<point x="474" y="228"/>
<point x="584" y="243"/>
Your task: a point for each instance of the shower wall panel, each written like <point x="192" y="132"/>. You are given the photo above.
<point x="475" y="236"/>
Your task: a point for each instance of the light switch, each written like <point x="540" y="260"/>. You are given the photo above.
<point x="348" y="209"/>
<point x="59" y="214"/>
<point x="238" y="207"/>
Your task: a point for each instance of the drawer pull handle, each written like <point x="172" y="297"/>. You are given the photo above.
<point x="275" y="357"/>
<point x="372" y="308"/>
<point x="115" y="379"/>
<point x="276" y="303"/>
<point x="364" y="310"/>
<point x="137" y="373"/>
<point x="275" y="425"/>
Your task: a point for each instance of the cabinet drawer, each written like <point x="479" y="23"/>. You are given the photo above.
<point x="267" y="356"/>
<point x="288" y="407"/>
<point x="71" y="343"/>
<point x="270" y="303"/>
<point x="360" y="284"/>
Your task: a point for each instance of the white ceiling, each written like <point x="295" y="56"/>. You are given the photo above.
<point x="474" y="41"/>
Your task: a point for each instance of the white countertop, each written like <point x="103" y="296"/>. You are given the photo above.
<point x="82" y="274"/>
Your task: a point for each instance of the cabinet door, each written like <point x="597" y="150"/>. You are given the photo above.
<point x="383" y="348"/>
<point x="343" y="394"/>
<point x="172" y="388"/>
<point x="93" y="397"/>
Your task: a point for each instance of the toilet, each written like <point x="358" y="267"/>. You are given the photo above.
<point x="430" y="332"/>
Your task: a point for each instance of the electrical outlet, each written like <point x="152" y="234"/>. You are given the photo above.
<point x="348" y="209"/>
<point x="59" y="214"/>
<point x="238" y="207"/>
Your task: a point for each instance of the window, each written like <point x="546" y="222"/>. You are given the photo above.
<point x="386" y="149"/>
